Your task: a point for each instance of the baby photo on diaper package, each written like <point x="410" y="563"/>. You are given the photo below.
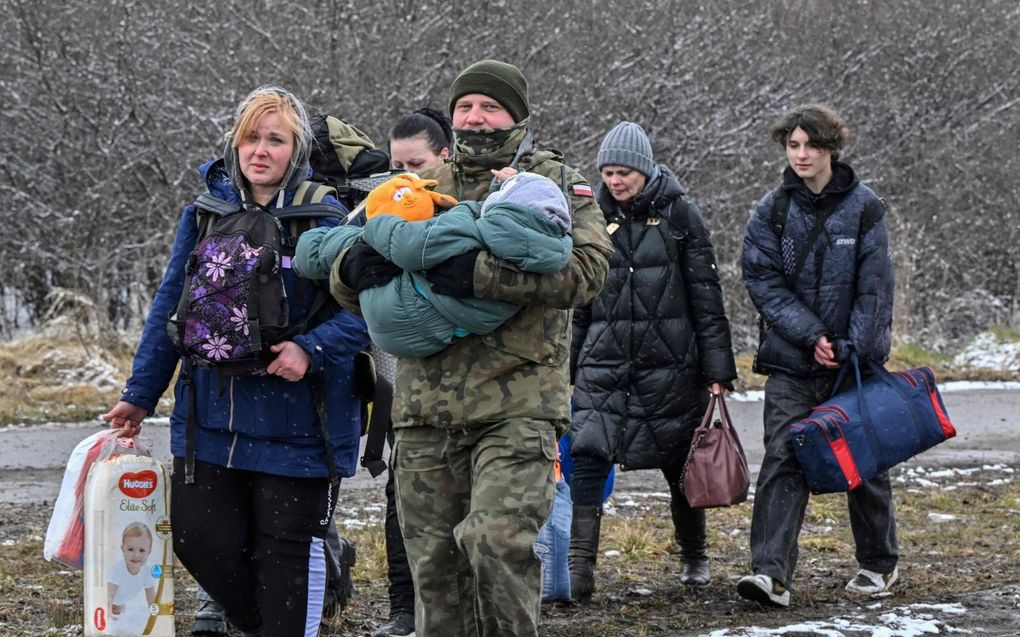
<point x="128" y="549"/>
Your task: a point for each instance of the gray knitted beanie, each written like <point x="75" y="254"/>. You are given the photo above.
<point x="627" y="145"/>
<point x="534" y="191"/>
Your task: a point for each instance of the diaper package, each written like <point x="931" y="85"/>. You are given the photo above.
<point x="128" y="561"/>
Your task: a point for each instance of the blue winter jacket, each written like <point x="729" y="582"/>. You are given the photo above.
<point x="255" y="423"/>
<point x="845" y="287"/>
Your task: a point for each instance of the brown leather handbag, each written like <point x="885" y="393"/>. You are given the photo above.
<point x="715" y="474"/>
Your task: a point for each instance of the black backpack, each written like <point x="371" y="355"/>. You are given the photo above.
<point x="233" y="306"/>
<point x="341" y="153"/>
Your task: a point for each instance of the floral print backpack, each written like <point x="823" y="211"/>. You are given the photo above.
<point x="234" y="304"/>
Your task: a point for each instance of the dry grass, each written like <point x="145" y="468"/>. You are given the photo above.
<point x="59" y="376"/>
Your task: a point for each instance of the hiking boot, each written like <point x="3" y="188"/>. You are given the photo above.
<point x="209" y="620"/>
<point x="764" y="590"/>
<point x="400" y="624"/>
<point x="870" y="583"/>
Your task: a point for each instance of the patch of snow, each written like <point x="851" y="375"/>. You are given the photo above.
<point x="977" y="385"/>
<point x="986" y="351"/>
<point x="942" y="517"/>
<point x="611" y="553"/>
<point x="904" y="621"/>
<point x="756" y="395"/>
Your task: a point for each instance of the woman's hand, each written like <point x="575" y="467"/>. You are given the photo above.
<point x="717" y="389"/>
<point x="291" y="362"/>
<point x="126" y="417"/>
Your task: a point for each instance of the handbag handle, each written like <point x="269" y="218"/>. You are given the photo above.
<point x="706" y="424"/>
<point x="716" y="400"/>
<point x="724" y="414"/>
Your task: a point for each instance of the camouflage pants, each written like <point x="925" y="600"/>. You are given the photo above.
<point x="470" y="504"/>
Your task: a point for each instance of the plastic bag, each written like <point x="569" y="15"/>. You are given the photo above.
<point x="65" y="537"/>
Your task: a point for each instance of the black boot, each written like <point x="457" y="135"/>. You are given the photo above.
<point x="691" y="536"/>
<point x="584" y="547"/>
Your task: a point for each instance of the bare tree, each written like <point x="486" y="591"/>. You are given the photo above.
<point x="107" y="116"/>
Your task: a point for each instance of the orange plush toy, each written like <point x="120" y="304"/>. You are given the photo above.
<point x="408" y="196"/>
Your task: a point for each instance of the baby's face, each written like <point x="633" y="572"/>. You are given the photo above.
<point x="136" y="552"/>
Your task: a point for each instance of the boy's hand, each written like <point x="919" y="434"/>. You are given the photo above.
<point x="824" y="353"/>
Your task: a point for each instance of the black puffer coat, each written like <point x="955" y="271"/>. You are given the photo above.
<point x="645" y="350"/>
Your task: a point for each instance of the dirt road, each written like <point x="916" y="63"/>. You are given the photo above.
<point x="32" y="458"/>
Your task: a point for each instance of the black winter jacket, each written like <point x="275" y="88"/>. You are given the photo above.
<point x="845" y="287"/>
<point x="644" y="351"/>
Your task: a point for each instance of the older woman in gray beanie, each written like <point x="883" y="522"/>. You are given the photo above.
<point x="646" y="352"/>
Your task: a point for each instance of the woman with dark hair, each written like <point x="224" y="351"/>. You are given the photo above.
<point x="816" y="265"/>
<point x="647" y="352"/>
<point x="254" y="485"/>
<point x="420" y="140"/>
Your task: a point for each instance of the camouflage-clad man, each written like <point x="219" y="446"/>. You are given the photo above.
<point x="476" y="424"/>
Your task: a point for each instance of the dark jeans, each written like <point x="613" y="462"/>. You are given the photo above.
<point x="781" y="497"/>
<point x="399" y="571"/>
<point x="588" y="483"/>
<point x="254" y="542"/>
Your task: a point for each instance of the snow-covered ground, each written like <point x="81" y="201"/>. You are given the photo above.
<point x="898" y="621"/>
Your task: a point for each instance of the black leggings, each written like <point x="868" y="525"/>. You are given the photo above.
<point x="254" y="542"/>
<point x="399" y="571"/>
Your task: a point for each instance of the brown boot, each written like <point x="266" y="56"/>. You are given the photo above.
<point x="584" y="548"/>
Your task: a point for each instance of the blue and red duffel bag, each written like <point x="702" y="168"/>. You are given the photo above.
<point x="861" y="432"/>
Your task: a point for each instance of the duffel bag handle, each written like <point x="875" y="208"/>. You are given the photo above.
<point x="869" y="427"/>
<point x="887" y="378"/>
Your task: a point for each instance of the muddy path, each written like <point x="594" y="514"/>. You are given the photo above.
<point x="639" y="596"/>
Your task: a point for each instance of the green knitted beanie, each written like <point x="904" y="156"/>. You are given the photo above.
<point x="501" y="81"/>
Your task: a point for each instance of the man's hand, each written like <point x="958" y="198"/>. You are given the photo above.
<point x="456" y="276"/>
<point x="126" y="417"/>
<point x="503" y="174"/>
<point x="363" y="268"/>
<point x="291" y="361"/>
<point x="824" y="353"/>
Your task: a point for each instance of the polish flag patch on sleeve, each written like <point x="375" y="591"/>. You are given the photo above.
<point x="581" y="190"/>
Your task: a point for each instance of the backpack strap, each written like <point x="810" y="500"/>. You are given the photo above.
<point x="379" y="424"/>
<point x="312" y="192"/>
<point x="780" y="210"/>
<point x="210" y="208"/>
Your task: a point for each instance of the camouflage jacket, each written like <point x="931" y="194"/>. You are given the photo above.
<point x="521" y="369"/>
